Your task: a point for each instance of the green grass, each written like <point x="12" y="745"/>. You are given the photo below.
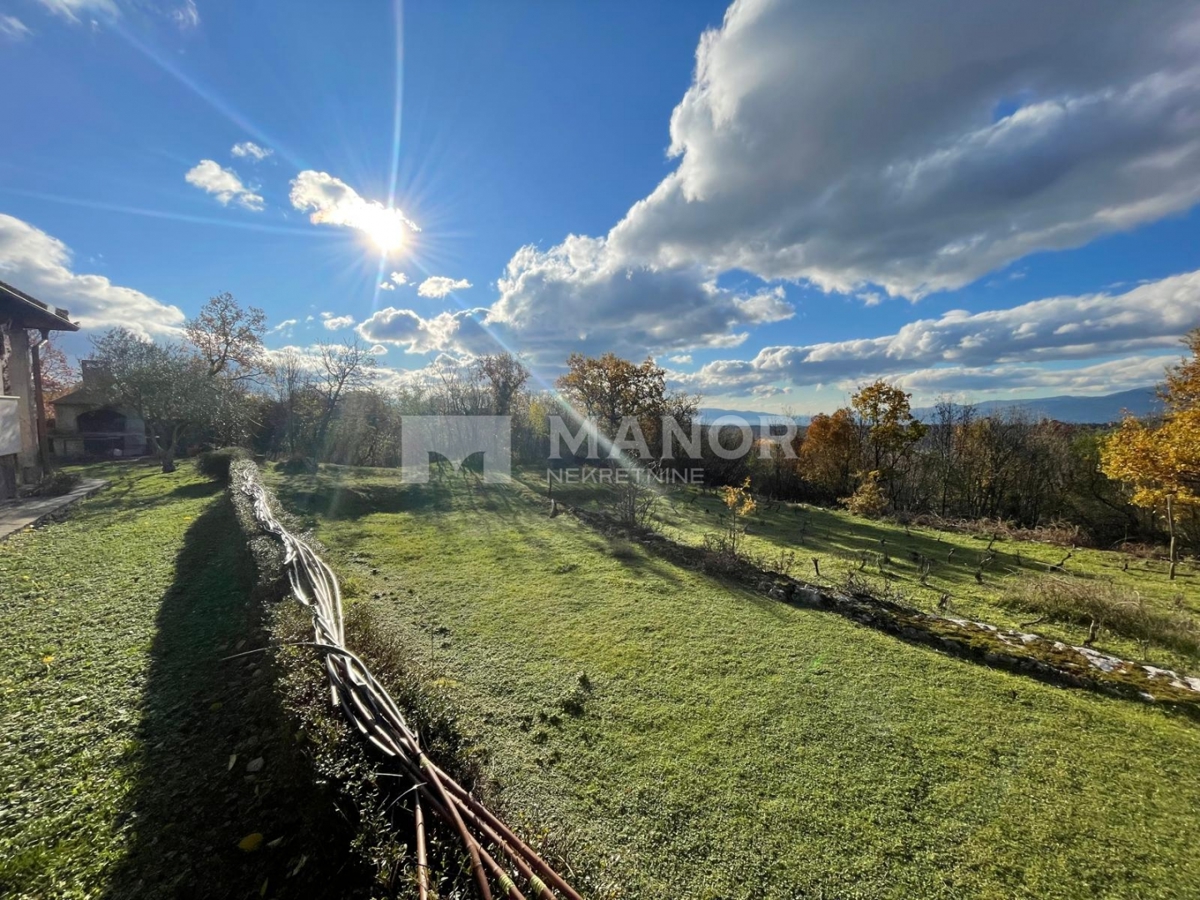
<point x="839" y="541"/>
<point x="690" y="739"/>
<point x="118" y="717"/>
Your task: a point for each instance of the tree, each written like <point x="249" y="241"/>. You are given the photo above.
<point x="888" y="430"/>
<point x="229" y="338"/>
<point x="1161" y="461"/>
<point x="169" y="387"/>
<point x="343" y="367"/>
<point x="608" y="388"/>
<point x="506" y="375"/>
<point x="58" y="375"/>
<point x="829" y="454"/>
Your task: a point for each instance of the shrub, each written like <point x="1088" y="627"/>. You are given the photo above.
<point x="54" y="484"/>
<point x="1096" y="603"/>
<point x="297" y="465"/>
<point x="868" y="501"/>
<point x="214" y="464"/>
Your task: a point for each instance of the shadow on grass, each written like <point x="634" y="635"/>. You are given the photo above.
<point x="325" y="496"/>
<point x="206" y="723"/>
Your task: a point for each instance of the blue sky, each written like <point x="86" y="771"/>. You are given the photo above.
<point x="991" y="203"/>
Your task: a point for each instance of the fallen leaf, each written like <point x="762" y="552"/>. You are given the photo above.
<point x="250" y="842"/>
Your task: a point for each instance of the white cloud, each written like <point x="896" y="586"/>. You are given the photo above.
<point x="71" y="10"/>
<point x="1107" y="377"/>
<point x="1149" y="318"/>
<point x="582" y="296"/>
<point x="682" y="359"/>
<point x="224" y="184"/>
<point x="250" y="150"/>
<point x="285" y="327"/>
<point x="798" y="160"/>
<point x="13" y="28"/>
<point x="439" y="286"/>
<point x="333" y="202"/>
<point x="337" y="323"/>
<point x="460" y="332"/>
<point x="187" y="16"/>
<point x="395" y="280"/>
<point x="40" y="265"/>
<point x="880" y="149"/>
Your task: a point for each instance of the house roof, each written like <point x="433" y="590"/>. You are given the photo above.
<point x="28" y="312"/>
<point x="81" y="395"/>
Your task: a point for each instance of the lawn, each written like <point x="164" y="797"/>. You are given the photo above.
<point x="686" y="738"/>
<point x="127" y="740"/>
<point x="840" y="541"/>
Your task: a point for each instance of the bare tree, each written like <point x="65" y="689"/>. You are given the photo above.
<point x="344" y="367"/>
<point x="229" y="338"/>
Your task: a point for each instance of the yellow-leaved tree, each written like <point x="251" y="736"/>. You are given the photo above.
<point x="1160" y="460"/>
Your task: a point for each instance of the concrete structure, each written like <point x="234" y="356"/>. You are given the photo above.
<point x="86" y="424"/>
<point x="24" y="451"/>
<point x="18" y="514"/>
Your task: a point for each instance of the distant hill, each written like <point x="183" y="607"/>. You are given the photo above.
<point x="1070" y="409"/>
<point x="711" y="413"/>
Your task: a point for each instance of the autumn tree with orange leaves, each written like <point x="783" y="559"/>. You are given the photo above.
<point x="1160" y="461"/>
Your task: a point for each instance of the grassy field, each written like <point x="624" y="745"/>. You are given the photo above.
<point x="125" y="739"/>
<point x="840" y="541"/>
<point x="694" y="740"/>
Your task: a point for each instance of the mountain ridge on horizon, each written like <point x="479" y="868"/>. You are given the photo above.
<point x="1071" y="409"/>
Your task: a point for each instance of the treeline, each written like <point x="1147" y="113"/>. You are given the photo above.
<point x="876" y="458"/>
<point x="219" y="386"/>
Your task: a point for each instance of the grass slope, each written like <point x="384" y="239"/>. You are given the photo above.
<point x="119" y="720"/>
<point x="839" y="541"/>
<point x="698" y="741"/>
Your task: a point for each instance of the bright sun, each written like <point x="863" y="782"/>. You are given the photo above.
<point x="386" y="233"/>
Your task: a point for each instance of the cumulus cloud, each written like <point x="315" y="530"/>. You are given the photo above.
<point x="462" y="332"/>
<point x="917" y="146"/>
<point x="395" y="280"/>
<point x="681" y="359"/>
<point x="71" y="10"/>
<point x="580" y="295"/>
<point x="285" y="327"/>
<point x="337" y="323"/>
<point x="40" y="265"/>
<point x="1149" y="318"/>
<point x="224" y="184"/>
<point x="879" y="149"/>
<point x="13" y="28"/>
<point x="250" y="150"/>
<point x="333" y="202"/>
<point x="439" y="286"/>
